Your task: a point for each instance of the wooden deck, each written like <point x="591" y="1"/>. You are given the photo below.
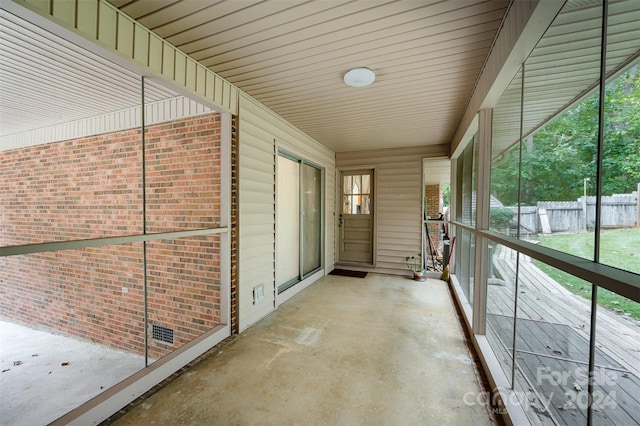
<point x="553" y="339"/>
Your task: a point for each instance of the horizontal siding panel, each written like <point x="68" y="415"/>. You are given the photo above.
<point x="255" y="312"/>
<point x="249" y="220"/>
<point x="257" y="214"/>
<point x="287" y="136"/>
<point x="397" y="200"/>
<point x="258" y="258"/>
<point x="264" y="199"/>
<point x="385" y="234"/>
<point x="401" y="197"/>
<point x="248" y="209"/>
<point x="252" y="129"/>
<point x="259" y="238"/>
<point x="258" y="160"/>
<point x="256" y="141"/>
<point x="259" y="128"/>
<point x="257" y="173"/>
<point x="396" y="225"/>
<point x="400" y="248"/>
<point x="255" y="187"/>
<point x="409" y="218"/>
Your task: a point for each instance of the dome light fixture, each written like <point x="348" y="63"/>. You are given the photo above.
<point x="359" y="77"/>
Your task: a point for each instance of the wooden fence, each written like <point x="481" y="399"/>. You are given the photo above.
<point x="618" y="211"/>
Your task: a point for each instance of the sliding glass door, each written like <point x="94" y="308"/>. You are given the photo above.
<point x="312" y="219"/>
<point x="299" y="221"/>
<point x="288" y="224"/>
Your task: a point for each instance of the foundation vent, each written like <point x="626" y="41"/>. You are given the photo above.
<point x="162" y="334"/>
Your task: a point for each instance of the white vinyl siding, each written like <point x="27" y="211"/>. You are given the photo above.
<point x="397" y="200"/>
<point x="155" y="112"/>
<point x="261" y="135"/>
<point x="117" y="32"/>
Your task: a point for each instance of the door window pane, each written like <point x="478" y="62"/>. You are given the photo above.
<point x="356" y="198"/>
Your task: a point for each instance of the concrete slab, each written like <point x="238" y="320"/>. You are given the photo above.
<point x="46" y="375"/>
<point x="383" y="350"/>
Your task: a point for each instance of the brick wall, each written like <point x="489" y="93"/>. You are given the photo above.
<point x="92" y="187"/>
<point x="433" y="197"/>
<point x="235" y="187"/>
<point x="78" y="189"/>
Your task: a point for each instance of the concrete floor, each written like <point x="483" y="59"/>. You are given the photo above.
<point x="45" y="375"/>
<point x="383" y="350"/>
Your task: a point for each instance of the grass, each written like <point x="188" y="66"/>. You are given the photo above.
<point x="619" y="248"/>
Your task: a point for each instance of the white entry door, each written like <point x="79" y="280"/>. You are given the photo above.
<point x="356" y="217"/>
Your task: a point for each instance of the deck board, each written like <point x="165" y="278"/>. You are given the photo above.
<point x="615" y="335"/>
<point x="553" y="328"/>
<point x="561" y="349"/>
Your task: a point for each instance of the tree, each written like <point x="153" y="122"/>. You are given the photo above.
<point x="446" y="194"/>
<point x="559" y="156"/>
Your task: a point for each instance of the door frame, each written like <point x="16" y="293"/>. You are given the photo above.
<point x="338" y="211"/>
<point x="305" y="280"/>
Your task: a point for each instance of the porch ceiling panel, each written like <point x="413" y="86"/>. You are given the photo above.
<point x="291" y="55"/>
<point x="45" y="80"/>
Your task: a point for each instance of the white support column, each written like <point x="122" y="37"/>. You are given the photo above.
<point x="453" y="211"/>
<point x="225" y="217"/>
<point x="483" y="168"/>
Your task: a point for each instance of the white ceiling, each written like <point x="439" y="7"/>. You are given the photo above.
<point x="292" y="55"/>
<point x="45" y="80"/>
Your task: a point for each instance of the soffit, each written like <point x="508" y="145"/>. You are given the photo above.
<point x="46" y="80"/>
<point x="292" y="55"/>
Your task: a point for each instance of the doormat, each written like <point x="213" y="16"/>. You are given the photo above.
<point x="345" y="273"/>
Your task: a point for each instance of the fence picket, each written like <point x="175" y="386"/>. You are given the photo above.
<point x="617" y="211"/>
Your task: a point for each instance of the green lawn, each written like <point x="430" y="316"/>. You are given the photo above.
<point x="619" y="248"/>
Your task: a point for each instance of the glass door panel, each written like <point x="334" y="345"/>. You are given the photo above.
<point x="288" y="223"/>
<point x="356" y="217"/>
<point x="311" y="218"/>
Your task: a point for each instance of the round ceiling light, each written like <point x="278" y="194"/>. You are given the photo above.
<point x="359" y="77"/>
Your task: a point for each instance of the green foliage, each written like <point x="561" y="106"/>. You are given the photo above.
<point x="446" y="194"/>
<point x="619" y="248"/>
<point x="559" y="156"/>
<point x="500" y="217"/>
<point x="606" y="298"/>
